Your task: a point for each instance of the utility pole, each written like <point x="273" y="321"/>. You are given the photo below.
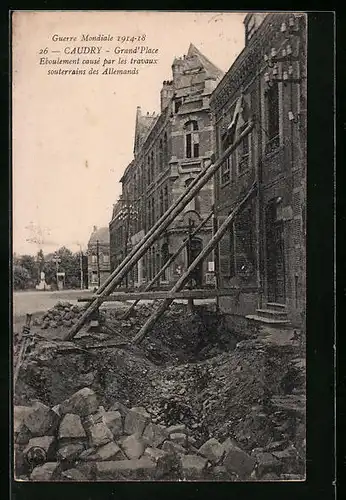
<point x="56" y="259"/>
<point x="98" y="262"/>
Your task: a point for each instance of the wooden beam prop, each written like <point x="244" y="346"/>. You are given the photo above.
<point x="164" y="294"/>
<point x="184" y="278"/>
<point x="155" y="232"/>
<point x="167" y="264"/>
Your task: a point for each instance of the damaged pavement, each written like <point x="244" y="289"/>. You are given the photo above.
<point x="193" y="401"/>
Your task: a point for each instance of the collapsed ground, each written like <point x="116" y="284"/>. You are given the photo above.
<point x="190" y="370"/>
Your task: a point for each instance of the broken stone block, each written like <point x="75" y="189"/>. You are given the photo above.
<point x="175" y="448"/>
<point x="165" y="461"/>
<point x="122" y="409"/>
<point x="136" y="469"/>
<point x="114" y="422"/>
<point x="155" y="434"/>
<point x="136" y="420"/>
<point x="238" y="461"/>
<point x="109" y="451"/>
<point x="99" y="434"/>
<point x="220" y="473"/>
<point x="83" y="402"/>
<point x="20" y="430"/>
<point x="266" y="462"/>
<point x="73" y="475"/>
<point x="46" y="472"/>
<point x="20" y="464"/>
<point x="193" y="466"/>
<point x="40" y="420"/>
<point x="271" y="476"/>
<point x="275" y="446"/>
<point x="133" y="446"/>
<point x="45" y="443"/>
<point x="172" y="429"/>
<point x="69" y="452"/>
<point x="86" y="468"/>
<point x="71" y="428"/>
<point x="179" y="438"/>
<point x="212" y="450"/>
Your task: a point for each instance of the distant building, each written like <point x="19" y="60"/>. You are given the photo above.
<point x="264" y="251"/>
<point x="98" y="257"/>
<point x="170" y="149"/>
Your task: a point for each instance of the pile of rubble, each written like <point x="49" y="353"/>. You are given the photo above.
<point x="63" y="314"/>
<point x="79" y="440"/>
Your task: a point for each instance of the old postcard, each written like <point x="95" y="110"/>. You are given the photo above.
<point x="159" y="228"/>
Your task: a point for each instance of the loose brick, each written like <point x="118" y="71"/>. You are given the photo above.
<point x="114" y="422"/>
<point x="71" y="428"/>
<point x="193" y="466"/>
<point x="99" y="434"/>
<point x="69" y="452"/>
<point x="136" y="421"/>
<point x="46" y="472"/>
<point x="238" y="461"/>
<point x="212" y="450"/>
<point x="165" y="461"/>
<point x="109" y="451"/>
<point x="179" y="438"/>
<point x="155" y="434"/>
<point x="40" y="420"/>
<point x="82" y="403"/>
<point x="133" y="446"/>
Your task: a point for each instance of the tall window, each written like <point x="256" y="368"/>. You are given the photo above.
<point x="152" y="166"/>
<point x="165" y="198"/>
<point x="243" y="152"/>
<point x="177" y="104"/>
<point x="165" y="150"/>
<point x="225" y="169"/>
<point x="160" y="155"/>
<point x="273" y="111"/>
<point x="191" y="140"/>
<point x="148" y="171"/>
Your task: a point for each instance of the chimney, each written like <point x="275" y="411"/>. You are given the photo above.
<point x="94" y="229"/>
<point x="166" y="93"/>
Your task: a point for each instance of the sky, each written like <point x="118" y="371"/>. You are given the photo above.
<point x="73" y="134"/>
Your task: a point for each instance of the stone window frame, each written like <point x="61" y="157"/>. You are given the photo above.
<point x="191" y="143"/>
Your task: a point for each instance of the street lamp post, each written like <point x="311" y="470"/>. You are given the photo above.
<point x="127" y="213"/>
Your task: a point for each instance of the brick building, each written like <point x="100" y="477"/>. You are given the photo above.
<point x="98" y="257"/>
<point x="169" y="151"/>
<point x="264" y="250"/>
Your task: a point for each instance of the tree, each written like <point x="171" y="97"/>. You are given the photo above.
<point x="30" y="264"/>
<point x="21" y="278"/>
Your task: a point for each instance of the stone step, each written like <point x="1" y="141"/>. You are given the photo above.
<point x="276" y="305"/>
<point x="272" y="313"/>
<point x="262" y="319"/>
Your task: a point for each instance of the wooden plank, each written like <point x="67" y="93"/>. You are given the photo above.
<point x="168" y="294"/>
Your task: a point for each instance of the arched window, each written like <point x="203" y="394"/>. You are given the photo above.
<point x="162" y="209"/>
<point x="191" y="139"/>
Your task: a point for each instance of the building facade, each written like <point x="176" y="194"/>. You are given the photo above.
<point x="98" y="257"/>
<point x="263" y="253"/>
<point x="170" y="150"/>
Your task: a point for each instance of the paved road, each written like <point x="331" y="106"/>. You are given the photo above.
<point x="34" y="301"/>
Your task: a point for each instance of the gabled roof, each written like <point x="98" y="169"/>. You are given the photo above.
<point x="99" y="234"/>
<point x="210" y="68"/>
<point x="142" y="127"/>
